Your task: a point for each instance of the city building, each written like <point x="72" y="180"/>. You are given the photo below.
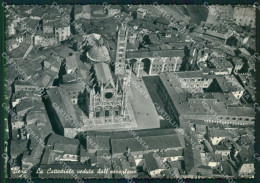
<point x="183" y="84"/>
<point x="82" y="11"/>
<point x="244" y="16"/>
<point x="246" y="169"/>
<point x="62" y="30"/>
<point x="63" y="114"/>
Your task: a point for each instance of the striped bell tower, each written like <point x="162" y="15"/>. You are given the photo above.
<point x="121" y="51"/>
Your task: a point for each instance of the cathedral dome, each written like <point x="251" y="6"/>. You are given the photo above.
<point x="98" y="54"/>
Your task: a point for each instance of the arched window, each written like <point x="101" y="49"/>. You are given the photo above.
<point x="106" y="113"/>
<point x="97" y="114"/>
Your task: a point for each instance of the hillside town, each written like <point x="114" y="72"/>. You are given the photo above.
<point x="130" y="91"/>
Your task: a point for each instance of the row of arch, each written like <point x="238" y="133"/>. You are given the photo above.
<point x="162" y="64"/>
<point x="145" y="65"/>
<point x="107" y="111"/>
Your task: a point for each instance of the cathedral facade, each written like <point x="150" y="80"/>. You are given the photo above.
<point x="108" y="98"/>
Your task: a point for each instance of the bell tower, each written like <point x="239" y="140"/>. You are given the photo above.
<point x="121" y="51"/>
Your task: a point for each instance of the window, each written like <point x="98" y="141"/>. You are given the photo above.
<point x="97" y="114"/>
<point x="107" y="113"/>
<point x="120" y="55"/>
<point x="108" y="95"/>
<point x="116" y="113"/>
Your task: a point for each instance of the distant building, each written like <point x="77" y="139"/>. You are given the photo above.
<point x="37" y="13"/>
<point x="76" y="91"/>
<point x="82" y="11"/>
<point x="238" y="63"/>
<point x="53" y="63"/>
<point x="45" y="39"/>
<point x="26" y="9"/>
<point x="47" y="26"/>
<point x="224" y="12"/>
<point x="97" y="10"/>
<point x="229" y="84"/>
<point x="155" y="141"/>
<point x="152" y="166"/>
<point x="114" y="9"/>
<point x="11" y="44"/>
<point x="213" y="160"/>
<point x="141" y="13"/>
<point x="70" y="153"/>
<point x="11" y="28"/>
<point x="17" y="124"/>
<point x="32" y="159"/>
<point x="222" y="150"/>
<point x="59" y="104"/>
<point x="175" y="91"/>
<point x="244" y="16"/>
<point x="217" y="135"/>
<point x="62" y="30"/>
<point x="219" y="66"/>
<point x="246" y="169"/>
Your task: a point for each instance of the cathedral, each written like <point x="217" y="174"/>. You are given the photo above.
<point x="107" y="101"/>
<point x="108" y="98"/>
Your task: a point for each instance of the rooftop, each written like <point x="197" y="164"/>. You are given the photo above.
<point x="60" y="97"/>
<point x="54" y="138"/>
<point x="151" y="54"/>
<point x="81" y="9"/>
<point x="103" y="72"/>
<point x="181" y="98"/>
<point x="98" y="54"/>
<point x="66" y="149"/>
<point x="214" y="132"/>
<point x="229" y="84"/>
<point x="17" y="147"/>
<point x="153" y="143"/>
<point x="19" y="51"/>
<point x="151" y="162"/>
